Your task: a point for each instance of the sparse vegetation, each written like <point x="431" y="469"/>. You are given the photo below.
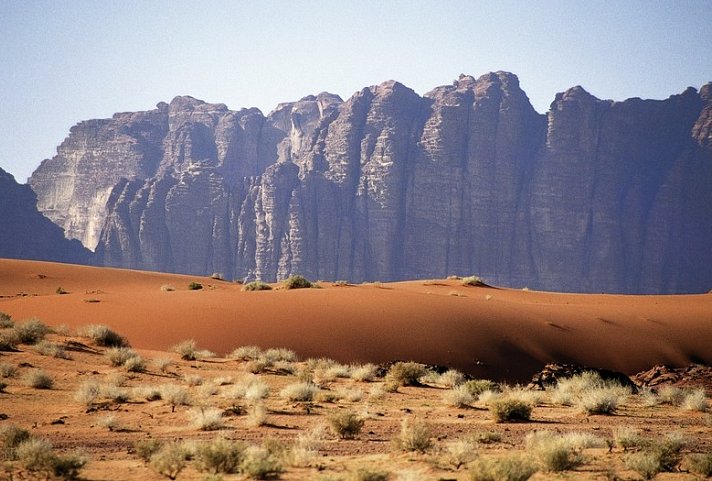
<point x="256" y="286"/>
<point x="6" y="321"/>
<point x="364" y="474"/>
<point x="195" y="286"/>
<point x="30" y="332"/>
<point x="458" y="396"/>
<point x="345" y="424"/>
<point x="414" y="435"/>
<point x="507" y="409"/>
<point x="263" y="462"/>
<point x="219" y="456"/>
<point x="7" y="370"/>
<point x="296" y="282"/>
<point x="103" y="336"/>
<point x="472" y="281"/>
<point x="299" y="392"/>
<point x="207" y="419"/>
<point x="39" y="379"/>
<point x="510" y="467"/>
<point x="12" y="436"/>
<point x="188" y="351"/>
<point x="169" y="460"/>
<point x="405" y="374"/>
<point x="47" y="348"/>
<point x="701" y="463"/>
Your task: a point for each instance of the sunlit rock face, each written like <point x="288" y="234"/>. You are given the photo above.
<point x="594" y="196"/>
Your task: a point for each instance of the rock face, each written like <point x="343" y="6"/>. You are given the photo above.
<point x="469" y="178"/>
<point x="27" y="234"/>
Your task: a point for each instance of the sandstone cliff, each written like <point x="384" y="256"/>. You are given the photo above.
<point x="27" y="234"/>
<point x="469" y="178"/>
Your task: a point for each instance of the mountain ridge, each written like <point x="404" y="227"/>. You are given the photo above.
<point x="592" y="196"/>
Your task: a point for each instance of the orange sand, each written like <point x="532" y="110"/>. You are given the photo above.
<point x="493" y="333"/>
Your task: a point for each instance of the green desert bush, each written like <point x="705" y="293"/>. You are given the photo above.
<point x="345" y="424"/>
<point x="296" y="282"/>
<point x="30" y="332"/>
<point x="510" y="467"/>
<point x="169" y="460"/>
<point x="414" y="435"/>
<point x="508" y="409"/>
<point x="256" y="286"/>
<point x="103" y="336"/>
<point x="11" y="436"/>
<point x="39" y="379"/>
<point x="219" y="456"/>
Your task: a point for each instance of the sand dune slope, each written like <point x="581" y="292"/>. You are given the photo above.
<point x="495" y="333"/>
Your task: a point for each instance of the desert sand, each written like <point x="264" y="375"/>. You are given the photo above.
<point x="493" y="333"/>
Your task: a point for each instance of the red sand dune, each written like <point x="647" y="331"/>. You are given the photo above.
<point x="494" y="333"/>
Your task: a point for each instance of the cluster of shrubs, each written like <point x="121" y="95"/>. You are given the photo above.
<point x="36" y="456"/>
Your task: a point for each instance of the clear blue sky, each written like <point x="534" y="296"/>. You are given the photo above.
<point x="66" y="61"/>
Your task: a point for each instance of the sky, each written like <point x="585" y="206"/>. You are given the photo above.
<point x="62" y="62"/>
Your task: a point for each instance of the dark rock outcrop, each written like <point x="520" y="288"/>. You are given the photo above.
<point x="593" y="196"/>
<point x="27" y="234"/>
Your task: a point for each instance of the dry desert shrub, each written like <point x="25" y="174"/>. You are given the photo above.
<point x="161" y="363"/>
<point x="219" y="456"/>
<point x="256" y="390"/>
<point x="175" y="395"/>
<point x="472" y="281"/>
<point x="560" y="452"/>
<point x="299" y="392"/>
<point x="459" y="453"/>
<point x="29" y="332"/>
<point x="305" y="448"/>
<point x="47" y="348"/>
<point x="169" y="460"/>
<point x="600" y="401"/>
<point x="145" y="448"/>
<point x="657" y="456"/>
<point x="450" y="378"/>
<point x="700" y="463"/>
<point x="263" y="462"/>
<point x="458" y="396"/>
<point x="7" y="370"/>
<point x="88" y="392"/>
<point x="188" y="351"/>
<point x="414" y="435"/>
<point x="365" y="474"/>
<point x="246" y="353"/>
<point x="193" y="380"/>
<point x="510" y="467"/>
<point x="195" y="286"/>
<point x="626" y="438"/>
<point x="11" y="437"/>
<point x="695" y="400"/>
<point x="103" y="336"/>
<point x="364" y="372"/>
<point x="6" y="321"/>
<point x="208" y="389"/>
<point x="256" y="414"/>
<point x="206" y="419"/>
<point x="167" y="288"/>
<point x="37" y="457"/>
<point x="135" y="364"/>
<point x="345" y="424"/>
<point x="478" y="386"/>
<point x="405" y="374"/>
<point x="110" y="422"/>
<point x="39" y="379"/>
<point x="508" y="409"/>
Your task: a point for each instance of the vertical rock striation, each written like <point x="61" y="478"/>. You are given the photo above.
<point x="593" y="196"/>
